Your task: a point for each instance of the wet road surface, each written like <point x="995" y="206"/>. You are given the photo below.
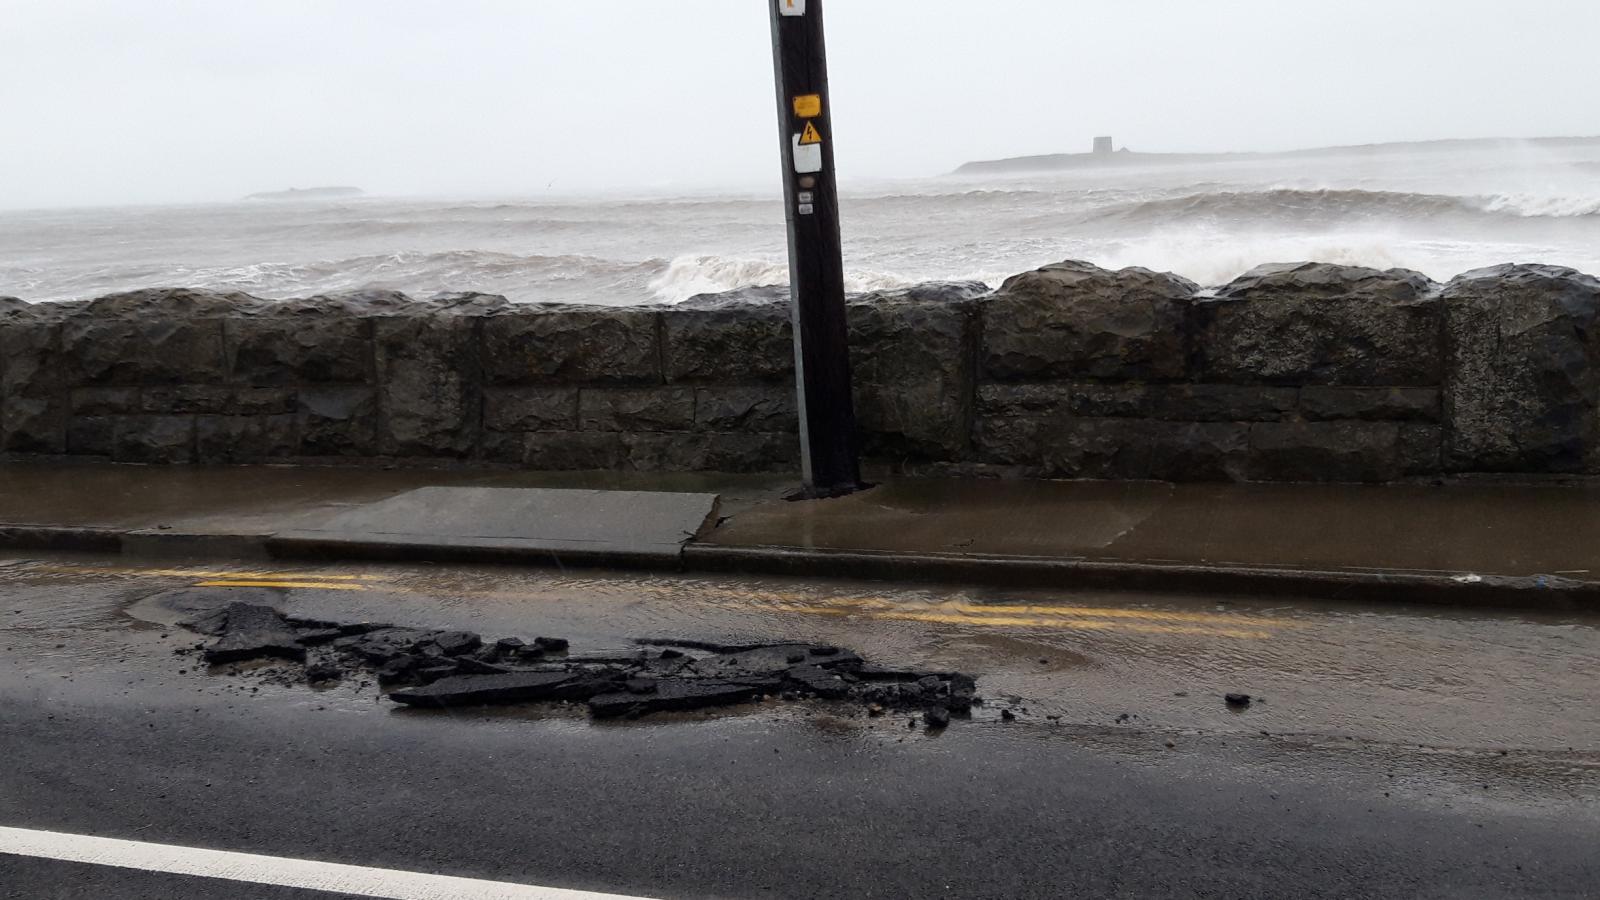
<point x="1390" y="751"/>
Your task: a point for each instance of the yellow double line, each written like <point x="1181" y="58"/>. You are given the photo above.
<point x="230" y="578"/>
<point x="297" y="580"/>
<point x="1012" y="615"/>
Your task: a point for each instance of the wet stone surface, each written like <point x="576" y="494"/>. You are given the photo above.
<point x="451" y="669"/>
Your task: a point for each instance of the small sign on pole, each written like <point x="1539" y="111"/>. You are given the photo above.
<point x="829" y="458"/>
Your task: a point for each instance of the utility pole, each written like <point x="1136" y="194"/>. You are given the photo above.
<point x="828" y="451"/>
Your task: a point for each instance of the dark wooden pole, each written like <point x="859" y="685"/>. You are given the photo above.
<point x="829" y="459"/>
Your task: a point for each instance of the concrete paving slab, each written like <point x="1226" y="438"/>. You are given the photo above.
<point x="466" y="522"/>
<point x="258" y="500"/>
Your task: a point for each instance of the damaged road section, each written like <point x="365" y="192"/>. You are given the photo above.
<point x="451" y="669"/>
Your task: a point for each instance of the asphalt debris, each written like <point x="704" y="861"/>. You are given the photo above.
<point x="246" y="631"/>
<point x="1237" y="701"/>
<point x="423" y="668"/>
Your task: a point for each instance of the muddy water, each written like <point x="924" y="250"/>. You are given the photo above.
<point x="1108" y="662"/>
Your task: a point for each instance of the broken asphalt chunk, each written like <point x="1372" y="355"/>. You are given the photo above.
<point x="512" y="687"/>
<point x="468" y="665"/>
<point x="251" y="632"/>
<point x="317" y="636"/>
<point x="380" y="646"/>
<point x="825" y="683"/>
<point x="685" y="694"/>
<point x="456" y="643"/>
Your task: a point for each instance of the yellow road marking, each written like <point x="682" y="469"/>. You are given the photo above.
<point x="203" y="573"/>
<point x="915" y="615"/>
<point x="968" y="608"/>
<point x="319" y="585"/>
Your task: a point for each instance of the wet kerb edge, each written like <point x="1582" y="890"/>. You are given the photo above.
<point x="1487" y="592"/>
<point x="57" y="537"/>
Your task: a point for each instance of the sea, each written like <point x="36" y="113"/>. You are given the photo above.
<point x="1439" y="209"/>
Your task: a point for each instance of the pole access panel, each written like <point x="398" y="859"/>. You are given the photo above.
<point x="828" y="446"/>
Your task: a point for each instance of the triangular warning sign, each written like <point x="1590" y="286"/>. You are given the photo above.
<point x="810" y="135"/>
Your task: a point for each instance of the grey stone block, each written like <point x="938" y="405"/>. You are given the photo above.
<point x="1097" y="448"/>
<point x="1010" y="440"/>
<point x="741" y="342"/>
<point x="34" y="402"/>
<point x="530" y="409"/>
<point x="429" y="385"/>
<point x="1076" y="320"/>
<point x="572" y="345"/>
<point x="1024" y="399"/>
<point x="574" y="450"/>
<point x="759" y="408"/>
<point x="90" y="435"/>
<point x="154" y="439"/>
<point x="1198" y="451"/>
<point x="105" y="401"/>
<point x="644" y="409"/>
<point x="276" y="350"/>
<point x="712" y="452"/>
<point x="1521" y="347"/>
<point x="1320" y="402"/>
<point x="338" y="420"/>
<point x="148" y="350"/>
<point x="216" y="399"/>
<point x="250" y="401"/>
<point x="1313" y="323"/>
<point x="1184" y="402"/>
<point x="913" y="372"/>
<point x="1325" y="451"/>
<point x="242" y="438"/>
<point x="1421" y="449"/>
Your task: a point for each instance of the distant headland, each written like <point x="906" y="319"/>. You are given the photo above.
<point x="1104" y="155"/>
<point x="313" y="193"/>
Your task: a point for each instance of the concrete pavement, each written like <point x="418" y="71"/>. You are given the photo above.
<point x="1396" y="752"/>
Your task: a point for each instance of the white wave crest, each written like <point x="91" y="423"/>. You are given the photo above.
<point x="1213" y="261"/>
<point x="688" y="276"/>
<point x="1537" y="205"/>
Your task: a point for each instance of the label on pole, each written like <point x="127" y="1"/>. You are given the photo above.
<point x="808" y="106"/>
<point x="807" y="157"/>
<point x="810" y="135"/>
<point x="792" y="7"/>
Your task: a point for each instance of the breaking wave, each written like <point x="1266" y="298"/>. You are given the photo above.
<point x="688" y="276"/>
<point x="1530" y="206"/>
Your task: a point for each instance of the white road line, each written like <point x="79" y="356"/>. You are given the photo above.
<point x="362" y="881"/>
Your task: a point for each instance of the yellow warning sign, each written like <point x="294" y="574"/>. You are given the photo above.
<point x="810" y="135"/>
<point x="808" y="106"/>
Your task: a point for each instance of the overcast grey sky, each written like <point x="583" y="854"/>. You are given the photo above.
<point x="196" y="100"/>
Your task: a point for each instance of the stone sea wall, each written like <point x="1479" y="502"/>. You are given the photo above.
<point x="1296" y="372"/>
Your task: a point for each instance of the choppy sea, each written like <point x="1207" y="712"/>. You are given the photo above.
<point x="1438" y="212"/>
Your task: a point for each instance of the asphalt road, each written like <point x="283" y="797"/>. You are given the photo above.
<point x="1396" y="753"/>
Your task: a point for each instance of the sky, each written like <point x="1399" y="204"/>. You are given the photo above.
<point x="110" y="102"/>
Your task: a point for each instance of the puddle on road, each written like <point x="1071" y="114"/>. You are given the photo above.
<point x="1391" y="674"/>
